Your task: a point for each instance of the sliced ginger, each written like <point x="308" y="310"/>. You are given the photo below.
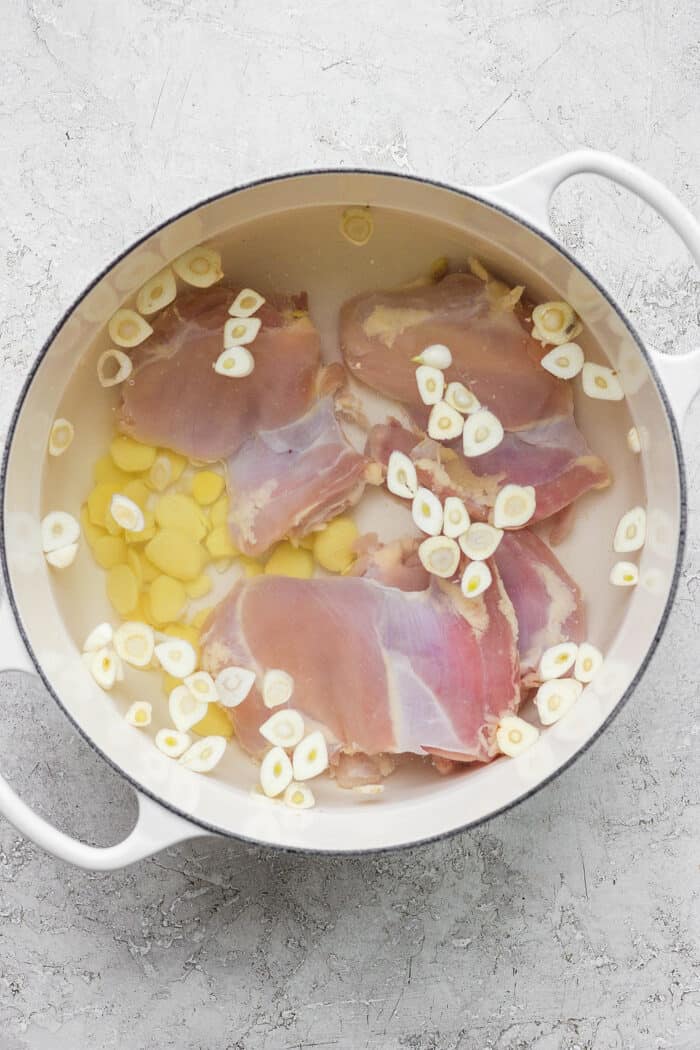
<point x="109" y="551"/>
<point x="333" y="548"/>
<point x="167" y="598"/>
<point x="176" y="554"/>
<point x="130" y="455"/>
<point x="219" y="543"/>
<point x="207" y="487"/>
<point x="215" y="723"/>
<point x="287" y="560"/>
<point x="122" y="589"/>
<point x="174" y="510"/>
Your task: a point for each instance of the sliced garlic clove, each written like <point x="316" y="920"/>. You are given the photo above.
<point x="440" y="556"/>
<point x="555" y="323"/>
<point x="357" y="225"/>
<point x="172" y="742"/>
<point x="127" y="329"/>
<point x="277" y="688"/>
<point x="555" y="698"/>
<point x="482" y="433"/>
<point x="99" y="637"/>
<point x="200" y="267"/>
<point x="246" y="303"/>
<point x="634" y="440"/>
<point x="401" y="477"/>
<point x="61" y="436"/>
<point x="476" y="579"/>
<point x="127" y="514"/>
<point x="310" y="756"/>
<point x="113" y="367"/>
<point x="177" y="657"/>
<point x="284" y="728"/>
<point x="480" y="541"/>
<point x="514" y="736"/>
<point x="461" y="398"/>
<point x="275" y="772"/>
<point x="63" y="557"/>
<point x="184" y="709"/>
<point x="157" y="293"/>
<point x="135" y="643"/>
<point x="455" y="518"/>
<point x="139" y="714"/>
<point x="240" y="331"/>
<point x="161" y="473"/>
<point x="557" y="660"/>
<point x="431" y="384"/>
<point x="437" y="356"/>
<point x="202" y="686"/>
<point x="601" y="382"/>
<point x="589" y="661"/>
<point x="445" y="423"/>
<point x="427" y="512"/>
<point x="58" y="529"/>
<point x="233" y="685"/>
<point x="624" y="574"/>
<point x="631" y="530"/>
<point x="104" y="667"/>
<point x="514" y="506"/>
<point x="298" y="796"/>
<point x="205" y="754"/>
<point x="236" y="363"/>
<point x="565" y="362"/>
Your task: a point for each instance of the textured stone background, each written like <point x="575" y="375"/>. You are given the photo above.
<point x="570" y="923"/>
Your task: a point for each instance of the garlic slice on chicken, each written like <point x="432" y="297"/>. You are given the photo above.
<point x="99" y="637"/>
<point x="431" y="384"/>
<point x="246" y="303"/>
<point x="200" y="267"/>
<point x="480" y="541"/>
<point x="58" y="529"/>
<point x="239" y="331"/>
<point x="157" y="293"/>
<point x="123" y="364"/>
<point x="589" y="661"/>
<point x="275" y="772"/>
<point x="277" y="688"/>
<point x="177" y="657"/>
<point x="201" y="685"/>
<point x="135" y="643"/>
<point x="514" y="506"/>
<point x="482" y="433"/>
<point x="630" y="533"/>
<point x="61" y="436"/>
<point x="427" y="512"/>
<point x="514" y="735"/>
<point x="236" y="363"/>
<point x="437" y="356"/>
<point x="634" y="440"/>
<point x="204" y="754"/>
<point x="555" y="323"/>
<point x="310" y="757"/>
<point x="624" y="574"/>
<point x="63" y="557"/>
<point x="298" y="796"/>
<point x="128" y="329"/>
<point x="556" y="697"/>
<point x="455" y="518"/>
<point x="401" y="477"/>
<point x="172" y="742"/>
<point x="139" y="714"/>
<point x="476" y="579"/>
<point x="104" y="667"/>
<point x="233" y="685"/>
<point x="601" y="382"/>
<point x="127" y="514"/>
<point x="283" y="729"/>
<point x="557" y="660"/>
<point x="184" y="709"/>
<point x="461" y="398"/>
<point x="440" y="556"/>
<point x="565" y="361"/>
<point x="445" y="423"/>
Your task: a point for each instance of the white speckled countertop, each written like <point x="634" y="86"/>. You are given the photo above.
<point x="570" y="923"/>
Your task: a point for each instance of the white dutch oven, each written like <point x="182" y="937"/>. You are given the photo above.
<point x="45" y="620"/>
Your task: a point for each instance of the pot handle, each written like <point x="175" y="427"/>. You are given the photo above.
<point x="529" y="195"/>
<point x="155" y="828"/>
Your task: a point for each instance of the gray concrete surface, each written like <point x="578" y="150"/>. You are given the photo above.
<point x="569" y="923"/>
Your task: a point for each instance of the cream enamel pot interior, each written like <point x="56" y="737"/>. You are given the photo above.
<point x="43" y="622"/>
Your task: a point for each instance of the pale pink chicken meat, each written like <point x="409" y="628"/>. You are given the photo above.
<point x="495" y="356"/>
<point x="381" y="670"/>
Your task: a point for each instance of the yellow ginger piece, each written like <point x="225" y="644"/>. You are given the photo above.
<point x="99" y="500"/>
<point x="105" y="470"/>
<point x="215" y="723"/>
<point x="219" y="512"/>
<point x="306" y="542"/>
<point x="147" y="532"/>
<point x="251" y="567"/>
<point x="91" y="532"/>
<point x="133" y="560"/>
<point x="176" y="554"/>
<point x="199" y="587"/>
<point x="109" y="551"/>
<point x="174" y="510"/>
<point x="219" y="544"/>
<point x="138" y="491"/>
<point x="167" y="598"/>
<point x="287" y="560"/>
<point x="207" y="487"/>
<point x="122" y="589"/>
<point x="130" y="455"/>
<point x="165" y="469"/>
<point x="333" y="548"/>
<point x="148" y="570"/>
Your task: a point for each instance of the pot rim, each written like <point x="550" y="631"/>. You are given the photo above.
<point x="481" y="198"/>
